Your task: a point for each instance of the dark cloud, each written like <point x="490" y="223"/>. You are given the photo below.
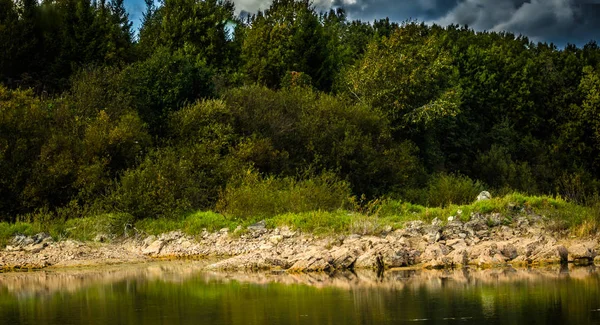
<point x="558" y="21"/>
<point x="398" y="10"/>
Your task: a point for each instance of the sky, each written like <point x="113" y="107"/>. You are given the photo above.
<point x="557" y="21"/>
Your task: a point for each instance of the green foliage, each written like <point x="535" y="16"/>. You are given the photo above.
<point x="316" y="222"/>
<point x="193" y="224"/>
<point x="160" y="127"/>
<point x="446" y="189"/>
<point x="286" y="37"/>
<point x="164" y="83"/>
<point x="497" y="168"/>
<point x="167" y="183"/>
<point x="255" y="196"/>
<point x="410" y="76"/>
<point x="296" y="126"/>
<point x="196" y="28"/>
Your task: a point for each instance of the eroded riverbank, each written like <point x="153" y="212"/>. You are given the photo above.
<point x="483" y="242"/>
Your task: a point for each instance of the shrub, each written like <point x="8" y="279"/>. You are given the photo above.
<point x="164" y="83"/>
<point x="256" y="196"/>
<point x="446" y="189"/>
<point x="169" y="182"/>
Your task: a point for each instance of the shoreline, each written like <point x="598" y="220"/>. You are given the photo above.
<point x="483" y="242"/>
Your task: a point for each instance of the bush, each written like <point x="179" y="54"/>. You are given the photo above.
<point x="297" y="126"/>
<point x="171" y="181"/>
<point x="445" y="189"/>
<point x="256" y="196"/>
<point x="164" y="83"/>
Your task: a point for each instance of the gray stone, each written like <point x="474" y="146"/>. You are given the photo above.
<point x="276" y="239"/>
<point x="509" y="251"/>
<point x="563" y="254"/>
<point x="154" y="248"/>
<point x="485" y="195"/>
<point x="436" y="222"/>
<point x="343" y="258"/>
<point x="258" y="226"/>
<point x="582" y="254"/>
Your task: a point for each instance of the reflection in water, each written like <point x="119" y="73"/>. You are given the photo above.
<point x="181" y="293"/>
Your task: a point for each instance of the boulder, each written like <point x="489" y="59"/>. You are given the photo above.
<point x="343" y="258"/>
<point x="563" y="254"/>
<point x="382" y="257"/>
<point x="509" y="251"/>
<point x="275" y="239"/>
<point x="484" y="195"/>
<point x="459" y="258"/>
<point x="582" y="254"/>
<point x="434" y="256"/>
<point x="314" y="260"/>
<point x="154" y="248"/>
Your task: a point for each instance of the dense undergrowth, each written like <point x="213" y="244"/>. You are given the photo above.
<point x="374" y="218"/>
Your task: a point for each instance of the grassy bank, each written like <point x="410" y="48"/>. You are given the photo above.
<point x="371" y="218"/>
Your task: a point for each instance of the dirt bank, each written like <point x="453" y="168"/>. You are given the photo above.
<point x="485" y="241"/>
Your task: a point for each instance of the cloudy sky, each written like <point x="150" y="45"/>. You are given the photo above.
<point x="558" y="21"/>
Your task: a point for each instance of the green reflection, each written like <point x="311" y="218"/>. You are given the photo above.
<point x="180" y="293"/>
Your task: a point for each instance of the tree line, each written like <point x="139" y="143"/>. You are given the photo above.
<point x="199" y="103"/>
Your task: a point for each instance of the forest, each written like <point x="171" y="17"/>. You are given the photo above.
<point x="286" y="110"/>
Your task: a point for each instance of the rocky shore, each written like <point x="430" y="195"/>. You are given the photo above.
<point x="486" y="241"/>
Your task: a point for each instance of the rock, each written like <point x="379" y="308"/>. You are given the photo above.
<point x="434" y="256"/>
<point x="597" y="260"/>
<point x="485" y="195"/>
<point x="41" y="237"/>
<point x="563" y="254"/>
<point x="258" y="226"/>
<point x="477" y="223"/>
<point x="149" y="240"/>
<point x="414" y="228"/>
<point x="383" y="257"/>
<point x="265" y="247"/>
<point x="286" y="232"/>
<point x="154" y="248"/>
<point x="344" y="258"/>
<point x="21" y="241"/>
<point x="224" y="230"/>
<point x="436" y="222"/>
<point x="581" y="254"/>
<point x="509" y="251"/>
<point x="276" y="239"/>
<point x="314" y="260"/>
<point x="457" y="244"/>
<point x="459" y="257"/>
<point x="450" y="218"/>
<point x="387" y="229"/>
<point x="494" y="220"/>
<point x="547" y="254"/>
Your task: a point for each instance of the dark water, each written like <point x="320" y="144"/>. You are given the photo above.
<point x="179" y="293"/>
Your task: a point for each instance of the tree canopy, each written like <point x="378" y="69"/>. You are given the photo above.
<point x="97" y="117"/>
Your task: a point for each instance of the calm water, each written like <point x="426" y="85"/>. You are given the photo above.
<point x="179" y="293"/>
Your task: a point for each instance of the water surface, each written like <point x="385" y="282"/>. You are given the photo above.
<point x="181" y="293"/>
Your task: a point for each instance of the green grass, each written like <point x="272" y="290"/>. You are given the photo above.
<point x="378" y="215"/>
<point x="191" y="224"/>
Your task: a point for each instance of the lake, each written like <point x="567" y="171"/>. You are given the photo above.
<point x="181" y="293"/>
